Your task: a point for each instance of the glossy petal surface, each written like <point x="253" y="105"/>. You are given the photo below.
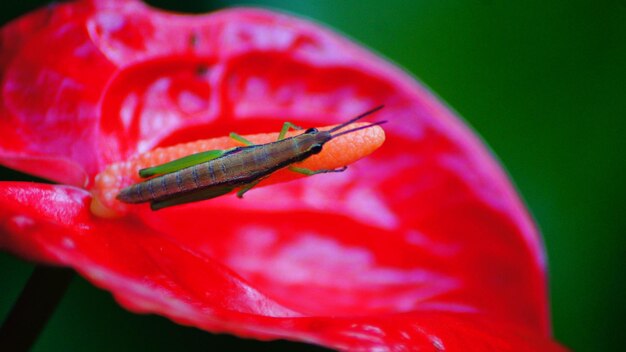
<point x="424" y="244"/>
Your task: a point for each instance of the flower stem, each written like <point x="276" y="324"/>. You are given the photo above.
<point x="37" y="302"/>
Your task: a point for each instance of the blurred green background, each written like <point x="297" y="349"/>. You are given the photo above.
<point x="544" y="83"/>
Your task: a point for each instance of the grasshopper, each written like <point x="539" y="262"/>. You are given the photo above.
<point x="213" y="173"/>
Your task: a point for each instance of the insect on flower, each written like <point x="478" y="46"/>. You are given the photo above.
<point x="213" y="173"/>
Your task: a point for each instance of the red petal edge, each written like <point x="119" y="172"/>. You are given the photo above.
<point x="424" y="244"/>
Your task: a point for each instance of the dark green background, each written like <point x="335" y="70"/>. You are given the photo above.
<point x="544" y="83"/>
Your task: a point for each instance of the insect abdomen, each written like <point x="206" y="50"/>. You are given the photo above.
<point x="151" y="189"/>
<point x="214" y="172"/>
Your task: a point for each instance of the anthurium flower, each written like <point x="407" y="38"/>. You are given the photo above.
<point x="423" y="245"/>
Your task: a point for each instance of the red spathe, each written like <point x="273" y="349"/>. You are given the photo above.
<point x="422" y="245"/>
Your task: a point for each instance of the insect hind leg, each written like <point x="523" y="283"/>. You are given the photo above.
<point x="195" y="196"/>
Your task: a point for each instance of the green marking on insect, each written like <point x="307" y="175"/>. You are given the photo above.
<point x="181" y="163"/>
<point x="213" y="173"/>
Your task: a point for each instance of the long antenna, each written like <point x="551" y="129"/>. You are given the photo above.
<point x="358" y="128"/>
<point x="367" y="113"/>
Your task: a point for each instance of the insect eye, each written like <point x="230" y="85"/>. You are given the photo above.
<point x="316" y="148"/>
<point x="311" y="130"/>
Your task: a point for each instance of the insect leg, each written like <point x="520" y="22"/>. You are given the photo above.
<point x="309" y="172"/>
<point x="195" y="196"/>
<point x="286" y="127"/>
<point x="249" y="186"/>
<point x="241" y="139"/>
<point x="246" y="188"/>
